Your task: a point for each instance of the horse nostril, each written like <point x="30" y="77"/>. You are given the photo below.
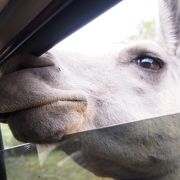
<point x="3" y="117"/>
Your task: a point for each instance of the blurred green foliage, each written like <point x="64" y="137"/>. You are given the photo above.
<point x="145" y="31"/>
<point x="8" y="138"/>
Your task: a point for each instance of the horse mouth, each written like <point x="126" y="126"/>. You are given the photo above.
<point x="47" y="123"/>
<point x="64" y="101"/>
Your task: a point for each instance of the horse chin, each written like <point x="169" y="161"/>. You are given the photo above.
<point x="48" y="123"/>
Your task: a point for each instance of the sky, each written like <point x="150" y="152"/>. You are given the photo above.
<point x="111" y="27"/>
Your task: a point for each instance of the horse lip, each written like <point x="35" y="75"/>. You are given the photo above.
<point x="42" y="104"/>
<point x="35" y="99"/>
<point x="5" y="115"/>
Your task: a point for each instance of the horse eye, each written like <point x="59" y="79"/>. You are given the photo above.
<point x="149" y="63"/>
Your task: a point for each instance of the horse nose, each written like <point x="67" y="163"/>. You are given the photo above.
<point x="20" y="62"/>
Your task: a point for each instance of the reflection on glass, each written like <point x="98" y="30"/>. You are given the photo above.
<point x="59" y="165"/>
<point x="22" y="163"/>
<point x="112" y="152"/>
